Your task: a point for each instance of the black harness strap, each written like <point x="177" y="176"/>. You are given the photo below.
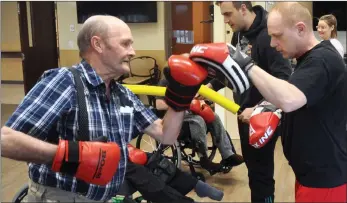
<point x="71" y="165"/>
<point x="83" y="130"/>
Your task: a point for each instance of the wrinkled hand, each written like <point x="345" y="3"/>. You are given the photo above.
<point x="246" y="115"/>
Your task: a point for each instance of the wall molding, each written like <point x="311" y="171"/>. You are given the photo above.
<point x="12" y="82"/>
<point x="11" y="54"/>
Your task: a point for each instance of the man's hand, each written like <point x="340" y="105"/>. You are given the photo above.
<point x="245" y="116"/>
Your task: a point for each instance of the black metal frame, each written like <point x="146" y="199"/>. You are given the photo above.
<point x="154" y="74"/>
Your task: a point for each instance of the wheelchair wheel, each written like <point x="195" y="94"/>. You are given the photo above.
<point x="188" y="151"/>
<point x="19" y="196"/>
<point x="148" y="144"/>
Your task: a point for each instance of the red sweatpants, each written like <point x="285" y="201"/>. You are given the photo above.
<point x="306" y="194"/>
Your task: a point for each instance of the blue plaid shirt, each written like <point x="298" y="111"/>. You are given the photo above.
<point x="49" y="112"/>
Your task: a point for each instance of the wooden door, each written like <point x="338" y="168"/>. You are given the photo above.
<point x="185" y="27"/>
<point x="37" y="25"/>
<point x="182" y="27"/>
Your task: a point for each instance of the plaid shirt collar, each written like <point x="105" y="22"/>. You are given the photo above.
<point x="91" y="76"/>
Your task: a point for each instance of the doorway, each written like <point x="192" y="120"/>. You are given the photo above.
<point x="185" y="27"/>
<point x="38" y="36"/>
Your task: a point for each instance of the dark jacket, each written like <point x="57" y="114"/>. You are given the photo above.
<point x="262" y="53"/>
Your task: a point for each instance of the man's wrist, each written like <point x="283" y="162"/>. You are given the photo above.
<point x="251" y="70"/>
<point x="249" y="67"/>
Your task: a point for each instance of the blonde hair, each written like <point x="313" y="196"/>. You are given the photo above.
<point x="330" y="19"/>
<point x="293" y="12"/>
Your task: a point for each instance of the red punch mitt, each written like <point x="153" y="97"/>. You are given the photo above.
<point x="226" y="63"/>
<point x="263" y="123"/>
<point x="137" y="156"/>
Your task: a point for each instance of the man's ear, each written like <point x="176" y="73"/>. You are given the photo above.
<point x="301" y="28"/>
<point x="243" y="9"/>
<point x="95" y="43"/>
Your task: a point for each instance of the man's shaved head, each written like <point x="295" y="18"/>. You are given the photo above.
<point x="293" y="12"/>
<point x="290" y="27"/>
<point x="98" y="25"/>
<point x="106" y="42"/>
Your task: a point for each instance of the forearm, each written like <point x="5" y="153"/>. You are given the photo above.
<point x="161" y="105"/>
<point x="21" y="147"/>
<point x="279" y="92"/>
<point x="172" y="124"/>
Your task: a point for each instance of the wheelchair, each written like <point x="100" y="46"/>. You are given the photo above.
<point x="124" y="195"/>
<point x="185" y="149"/>
<point x="22" y="192"/>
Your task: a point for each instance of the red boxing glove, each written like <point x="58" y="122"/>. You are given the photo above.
<point x="137" y="156"/>
<point x="263" y="123"/>
<point x="195" y="106"/>
<point x="204" y="111"/>
<point x="92" y="162"/>
<point x="185" y="78"/>
<point x="207" y="114"/>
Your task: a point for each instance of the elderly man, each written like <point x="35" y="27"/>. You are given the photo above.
<point x="313" y="101"/>
<point x="44" y="128"/>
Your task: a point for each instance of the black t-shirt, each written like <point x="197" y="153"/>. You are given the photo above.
<point x="315" y="137"/>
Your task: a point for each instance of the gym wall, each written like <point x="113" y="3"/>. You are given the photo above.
<point x="11" y="68"/>
<point x="144" y="35"/>
<point x="148" y="37"/>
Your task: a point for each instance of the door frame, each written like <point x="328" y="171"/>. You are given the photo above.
<point x="28" y="40"/>
<point x="24" y="34"/>
<point x="168" y="28"/>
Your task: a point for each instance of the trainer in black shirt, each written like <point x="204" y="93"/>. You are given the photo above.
<point x="314" y="100"/>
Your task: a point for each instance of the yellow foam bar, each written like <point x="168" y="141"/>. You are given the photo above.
<point x="203" y="91"/>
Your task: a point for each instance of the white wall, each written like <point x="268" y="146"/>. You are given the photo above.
<point x="219" y="36"/>
<point x="341" y="36"/>
<point x="67" y="16"/>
